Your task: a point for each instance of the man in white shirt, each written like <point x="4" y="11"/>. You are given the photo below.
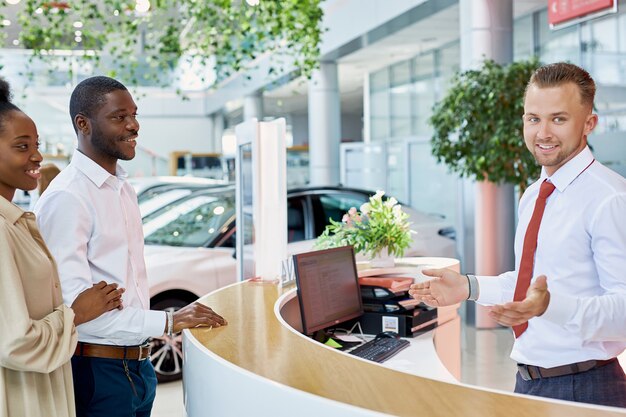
<point x="571" y="325"/>
<point x="90" y="219"/>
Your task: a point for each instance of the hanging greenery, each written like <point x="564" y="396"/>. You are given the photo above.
<point x="148" y="38"/>
<point x="478" y="124"/>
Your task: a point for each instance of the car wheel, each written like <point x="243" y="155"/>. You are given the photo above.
<point x="167" y="354"/>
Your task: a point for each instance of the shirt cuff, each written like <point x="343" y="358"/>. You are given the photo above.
<point x="561" y="308"/>
<point x="154" y="324"/>
<point x="489" y="290"/>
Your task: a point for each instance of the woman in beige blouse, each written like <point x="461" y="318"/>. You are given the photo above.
<point x="37" y="331"/>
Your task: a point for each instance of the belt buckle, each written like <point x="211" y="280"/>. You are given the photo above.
<point x="523" y="371"/>
<point x="141" y="351"/>
<point x="141" y="358"/>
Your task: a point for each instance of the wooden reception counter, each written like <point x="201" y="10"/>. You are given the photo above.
<point x="259" y="365"/>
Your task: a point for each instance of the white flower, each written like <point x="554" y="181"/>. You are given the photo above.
<point x="397" y="212"/>
<point x="391" y="202"/>
<point x="379" y="225"/>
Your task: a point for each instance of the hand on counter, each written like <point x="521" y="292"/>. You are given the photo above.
<point x="447" y="288"/>
<point x="518" y="312"/>
<point x="196" y="315"/>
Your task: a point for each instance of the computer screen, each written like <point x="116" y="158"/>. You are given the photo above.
<point x="328" y="288"/>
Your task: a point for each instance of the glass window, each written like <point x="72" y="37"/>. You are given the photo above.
<point x="523" y="38"/>
<point x="401" y="110"/>
<point x="603" y="34"/>
<point x="396" y="169"/>
<point x="379" y="114"/>
<point x="600" y="49"/>
<point x="432" y="186"/>
<point x="424" y="66"/>
<point x="423" y="92"/>
<point x="621" y="31"/>
<point x="557" y="45"/>
<point x="379" y="80"/>
<point x="448" y="64"/>
<point x="401" y="74"/>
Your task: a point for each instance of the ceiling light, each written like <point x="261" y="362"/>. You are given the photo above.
<point x="253" y="2"/>
<point x="78" y="25"/>
<point x="78" y="33"/>
<point x="78" y="38"/>
<point x="142" y="6"/>
<point x="39" y="10"/>
<point x="6" y="22"/>
<point x="13" y="1"/>
<point x="16" y="42"/>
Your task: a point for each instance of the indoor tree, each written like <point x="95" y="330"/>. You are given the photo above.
<point x="478" y="124"/>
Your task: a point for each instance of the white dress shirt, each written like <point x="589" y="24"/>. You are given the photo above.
<point x="91" y="223"/>
<point x="581" y="249"/>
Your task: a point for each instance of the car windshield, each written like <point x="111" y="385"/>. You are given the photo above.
<point x="156" y="201"/>
<point x="194" y="221"/>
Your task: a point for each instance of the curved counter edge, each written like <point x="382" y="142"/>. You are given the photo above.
<point x="235" y="391"/>
<point x="257" y="365"/>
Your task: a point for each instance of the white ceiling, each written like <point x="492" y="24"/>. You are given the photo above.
<point x="425" y="35"/>
<point x="422" y="36"/>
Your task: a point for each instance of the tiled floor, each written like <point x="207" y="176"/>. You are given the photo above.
<point x="485" y="362"/>
<point x="169" y="400"/>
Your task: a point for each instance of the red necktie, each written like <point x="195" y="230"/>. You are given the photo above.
<point x="527" y="263"/>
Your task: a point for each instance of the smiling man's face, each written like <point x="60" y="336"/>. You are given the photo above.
<point x="556" y="124"/>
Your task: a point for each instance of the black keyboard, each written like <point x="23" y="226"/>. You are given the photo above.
<point x="379" y="350"/>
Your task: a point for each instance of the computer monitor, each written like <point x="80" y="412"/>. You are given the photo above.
<point x="328" y="288"/>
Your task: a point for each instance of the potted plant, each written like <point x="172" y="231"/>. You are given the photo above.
<point x="478" y="124"/>
<point x="380" y="230"/>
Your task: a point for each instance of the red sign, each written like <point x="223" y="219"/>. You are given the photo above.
<point x="560" y="11"/>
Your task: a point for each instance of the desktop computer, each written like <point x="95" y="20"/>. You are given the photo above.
<point x="330" y="296"/>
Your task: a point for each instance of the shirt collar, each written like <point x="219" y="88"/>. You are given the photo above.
<point x="95" y="172"/>
<point x="10" y="211"/>
<point x="566" y="174"/>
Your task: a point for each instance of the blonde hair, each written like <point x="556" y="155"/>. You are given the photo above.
<point x="48" y="172"/>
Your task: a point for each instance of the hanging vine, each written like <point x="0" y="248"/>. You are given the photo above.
<point x="137" y="45"/>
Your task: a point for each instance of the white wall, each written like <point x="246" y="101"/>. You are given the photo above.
<point x="168" y="123"/>
<point x="351" y="128"/>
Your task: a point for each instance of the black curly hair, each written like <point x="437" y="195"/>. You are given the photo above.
<point x="6" y="106"/>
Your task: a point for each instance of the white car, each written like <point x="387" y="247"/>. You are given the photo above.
<point x="190" y="246"/>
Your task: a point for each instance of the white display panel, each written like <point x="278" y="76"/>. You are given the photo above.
<point x="261" y="199"/>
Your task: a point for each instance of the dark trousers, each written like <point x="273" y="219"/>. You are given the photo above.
<point x="605" y="385"/>
<point x="102" y="388"/>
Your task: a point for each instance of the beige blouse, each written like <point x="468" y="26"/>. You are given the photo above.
<point x="37" y="333"/>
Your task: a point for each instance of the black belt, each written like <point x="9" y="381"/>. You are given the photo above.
<point x="529" y="372"/>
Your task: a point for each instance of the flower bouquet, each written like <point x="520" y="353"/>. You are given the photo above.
<point x="380" y="228"/>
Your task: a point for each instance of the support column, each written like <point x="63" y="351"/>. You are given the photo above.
<point x="210" y="134"/>
<point x="324" y="125"/>
<point x="253" y="106"/>
<point x="218" y="131"/>
<point x="487" y="33"/>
